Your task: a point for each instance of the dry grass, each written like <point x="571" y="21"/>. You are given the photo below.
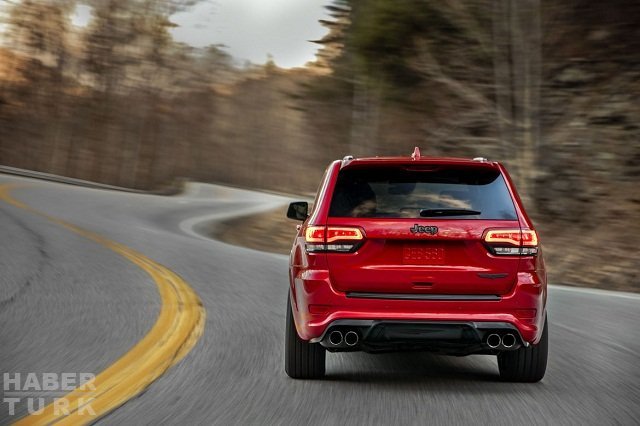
<point x="270" y="231"/>
<point x="589" y="255"/>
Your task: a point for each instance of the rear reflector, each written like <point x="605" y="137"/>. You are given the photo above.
<point x="525" y="313"/>
<point x="340" y="239"/>
<point x="512" y="242"/>
<point x="318" y="309"/>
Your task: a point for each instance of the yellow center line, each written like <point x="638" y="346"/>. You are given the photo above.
<point x="176" y="331"/>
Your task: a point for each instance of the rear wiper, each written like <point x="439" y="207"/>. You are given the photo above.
<point x="448" y="212"/>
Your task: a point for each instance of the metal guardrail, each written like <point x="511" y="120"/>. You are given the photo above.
<point x="176" y="188"/>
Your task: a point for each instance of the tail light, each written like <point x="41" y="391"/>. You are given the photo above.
<point x="339" y="239"/>
<point x="512" y="242"/>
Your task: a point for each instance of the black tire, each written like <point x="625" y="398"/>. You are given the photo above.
<point x="302" y="360"/>
<point x="525" y="364"/>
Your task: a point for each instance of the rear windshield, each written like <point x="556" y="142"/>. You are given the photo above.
<point x="398" y="192"/>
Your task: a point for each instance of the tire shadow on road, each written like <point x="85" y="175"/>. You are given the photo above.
<point x="411" y="368"/>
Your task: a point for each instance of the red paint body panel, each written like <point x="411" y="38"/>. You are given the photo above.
<point x="393" y="260"/>
<point x="450" y="261"/>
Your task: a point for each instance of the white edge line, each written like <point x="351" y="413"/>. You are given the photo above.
<point x="596" y="291"/>
<point x="187" y="226"/>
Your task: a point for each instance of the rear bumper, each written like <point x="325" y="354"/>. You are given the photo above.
<point x="456" y="338"/>
<point x="317" y="306"/>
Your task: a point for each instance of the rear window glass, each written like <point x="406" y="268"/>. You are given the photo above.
<point x="398" y="192"/>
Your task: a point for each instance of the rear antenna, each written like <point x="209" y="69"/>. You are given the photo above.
<point x="416" y="153"/>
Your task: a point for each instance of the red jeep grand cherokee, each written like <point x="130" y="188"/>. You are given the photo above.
<point x="415" y="253"/>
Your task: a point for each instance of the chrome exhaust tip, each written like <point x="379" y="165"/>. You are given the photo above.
<point x="335" y="338"/>
<point x="493" y="341"/>
<point x="508" y="340"/>
<point x="351" y="338"/>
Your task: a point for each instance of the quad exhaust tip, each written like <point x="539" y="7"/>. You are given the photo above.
<point x="351" y="338"/>
<point x="508" y="340"/>
<point x="493" y="341"/>
<point x="335" y="338"/>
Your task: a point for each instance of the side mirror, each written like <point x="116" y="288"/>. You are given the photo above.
<point x="298" y="210"/>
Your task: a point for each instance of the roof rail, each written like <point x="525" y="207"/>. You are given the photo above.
<point x="482" y="159"/>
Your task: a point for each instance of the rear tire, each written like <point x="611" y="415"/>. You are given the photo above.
<point x="527" y="364"/>
<point x="303" y="360"/>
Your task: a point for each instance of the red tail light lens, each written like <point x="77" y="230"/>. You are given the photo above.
<point x="315" y="234"/>
<point x="512" y="242"/>
<point x="333" y="239"/>
<point x="342" y="234"/>
<point x="529" y="238"/>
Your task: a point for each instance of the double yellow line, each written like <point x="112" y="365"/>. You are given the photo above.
<point x="176" y="331"/>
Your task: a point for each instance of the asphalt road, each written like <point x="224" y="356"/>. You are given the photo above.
<point x="70" y="305"/>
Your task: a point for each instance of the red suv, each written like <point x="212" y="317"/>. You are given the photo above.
<point x="415" y="253"/>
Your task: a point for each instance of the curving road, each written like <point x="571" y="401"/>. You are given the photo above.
<point x="68" y="304"/>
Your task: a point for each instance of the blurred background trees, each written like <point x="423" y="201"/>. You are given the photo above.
<point x="116" y="101"/>
<point x="549" y="88"/>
